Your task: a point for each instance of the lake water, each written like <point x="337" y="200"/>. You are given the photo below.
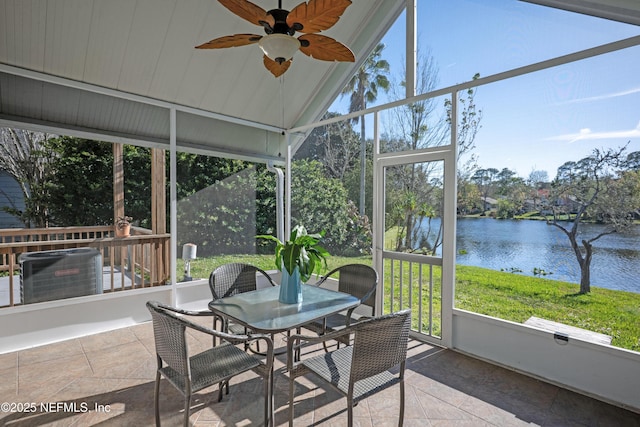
<point x="525" y="245"/>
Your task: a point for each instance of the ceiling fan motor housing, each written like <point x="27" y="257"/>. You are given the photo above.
<point x="280" y="25"/>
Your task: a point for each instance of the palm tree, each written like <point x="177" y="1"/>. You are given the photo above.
<point x="363" y="89"/>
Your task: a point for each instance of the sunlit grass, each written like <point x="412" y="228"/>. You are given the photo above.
<point x="516" y="298"/>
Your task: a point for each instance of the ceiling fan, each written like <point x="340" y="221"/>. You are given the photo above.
<point x="279" y="45"/>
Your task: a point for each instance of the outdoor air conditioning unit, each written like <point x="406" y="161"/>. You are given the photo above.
<point x="67" y="273"/>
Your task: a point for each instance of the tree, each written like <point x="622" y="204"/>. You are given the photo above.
<point x="418" y="125"/>
<point x="87" y="201"/>
<point x="513" y="191"/>
<point x="221" y="205"/>
<point x="632" y="161"/>
<point x="363" y="89"/>
<point x="538" y="180"/>
<point x="468" y="127"/>
<point x="336" y="145"/>
<point x="22" y="156"/>
<point x="507" y="208"/>
<point x="597" y="188"/>
<point x="469" y="198"/>
<point x="485" y="179"/>
<point x="319" y="203"/>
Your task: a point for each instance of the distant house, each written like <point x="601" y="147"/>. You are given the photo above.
<point x="568" y="204"/>
<point x="538" y="202"/>
<point x="489" y="203"/>
<point x="11" y="196"/>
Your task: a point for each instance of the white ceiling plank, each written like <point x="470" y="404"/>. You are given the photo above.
<point x="7" y="41"/>
<point x="67" y="37"/>
<point x="24" y="33"/>
<point x="111" y="23"/>
<point x="148" y="33"/>
<point x="200" y="66"/>
<point x="177" y="50"/>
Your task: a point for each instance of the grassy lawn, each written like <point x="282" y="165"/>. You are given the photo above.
<point x="498" y="294"/>
<point x="514" y="297"/>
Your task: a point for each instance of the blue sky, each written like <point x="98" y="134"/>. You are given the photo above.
<point x="538" y="121"/>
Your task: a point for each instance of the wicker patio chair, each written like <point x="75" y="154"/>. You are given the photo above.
<point x="231" y="279"/>
<point x="358" y="280"/>
<point x="362" y="369"/>
<point x="217" y="365"/>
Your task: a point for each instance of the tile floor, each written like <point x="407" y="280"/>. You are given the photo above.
<point x="107" y="380"/>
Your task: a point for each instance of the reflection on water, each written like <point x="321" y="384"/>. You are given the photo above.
<point x="527" y="245"/>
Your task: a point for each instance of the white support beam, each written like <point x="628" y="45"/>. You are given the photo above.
<point x="173" y="194"/>
<point x="627" y="11"/>
<point x="61" y="81"/>
<point x="377" y="220"/>
<point x="287" y="230"/>
<point x="411" y="47"/>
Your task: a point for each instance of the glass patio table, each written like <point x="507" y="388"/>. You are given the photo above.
<point x="261" y="311"/>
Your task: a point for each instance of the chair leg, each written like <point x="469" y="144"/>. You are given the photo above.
<point x="291" y="387"/>
<point x="272" y="400"/>
<point x="349" y="413"/>
<point x="220" y="390"/>
<point x="401" y="420"/>
<point x="324" y="331"/>
<point x="298" y="349"/>
<point x="221" y="387"/>
<point x="187" y="405"/>
<point x="268" y="401"/>
<point x="156" y="399"/>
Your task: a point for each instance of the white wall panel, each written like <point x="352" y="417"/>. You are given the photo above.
<point x="609" y="373"/>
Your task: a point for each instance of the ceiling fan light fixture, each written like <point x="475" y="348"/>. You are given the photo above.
<point x="279" y="47"/>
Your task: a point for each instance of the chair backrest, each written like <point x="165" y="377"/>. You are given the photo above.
<point x="234" y="278"/>
<point x="358" y="280"/>
<point x="170" y="337"/>
<point x="379" y="344"/>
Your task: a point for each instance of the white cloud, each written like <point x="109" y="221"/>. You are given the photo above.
<point x="602" y="97"/>
<point x="587" y="134"/>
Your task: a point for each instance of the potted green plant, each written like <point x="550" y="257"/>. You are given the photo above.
<point x="298" y="259"/>
<point x="123" y="226"/>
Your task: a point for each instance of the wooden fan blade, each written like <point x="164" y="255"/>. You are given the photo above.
<point x="317" y="15"/>
<point x="230" y="41"/>
<point x="276" y="69"/>
<point x="325" y="48"/>
<point x="249" y="11"/>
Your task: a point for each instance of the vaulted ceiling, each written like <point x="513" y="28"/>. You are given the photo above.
<point x="113" y="69"/>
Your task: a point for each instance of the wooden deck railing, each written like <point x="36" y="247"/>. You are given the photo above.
<point x="140" y="260"/>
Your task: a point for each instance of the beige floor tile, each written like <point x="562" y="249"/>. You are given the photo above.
<point x="100" y="342"/>
<point x="41" y="381"/>
<point x="8" y="384"/>
<point x="50" y="352"/>
<point x="8" y="361"/>
<point x="119" y="361"/>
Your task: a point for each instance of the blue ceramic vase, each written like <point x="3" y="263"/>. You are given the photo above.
<point x="290" y="287"/>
